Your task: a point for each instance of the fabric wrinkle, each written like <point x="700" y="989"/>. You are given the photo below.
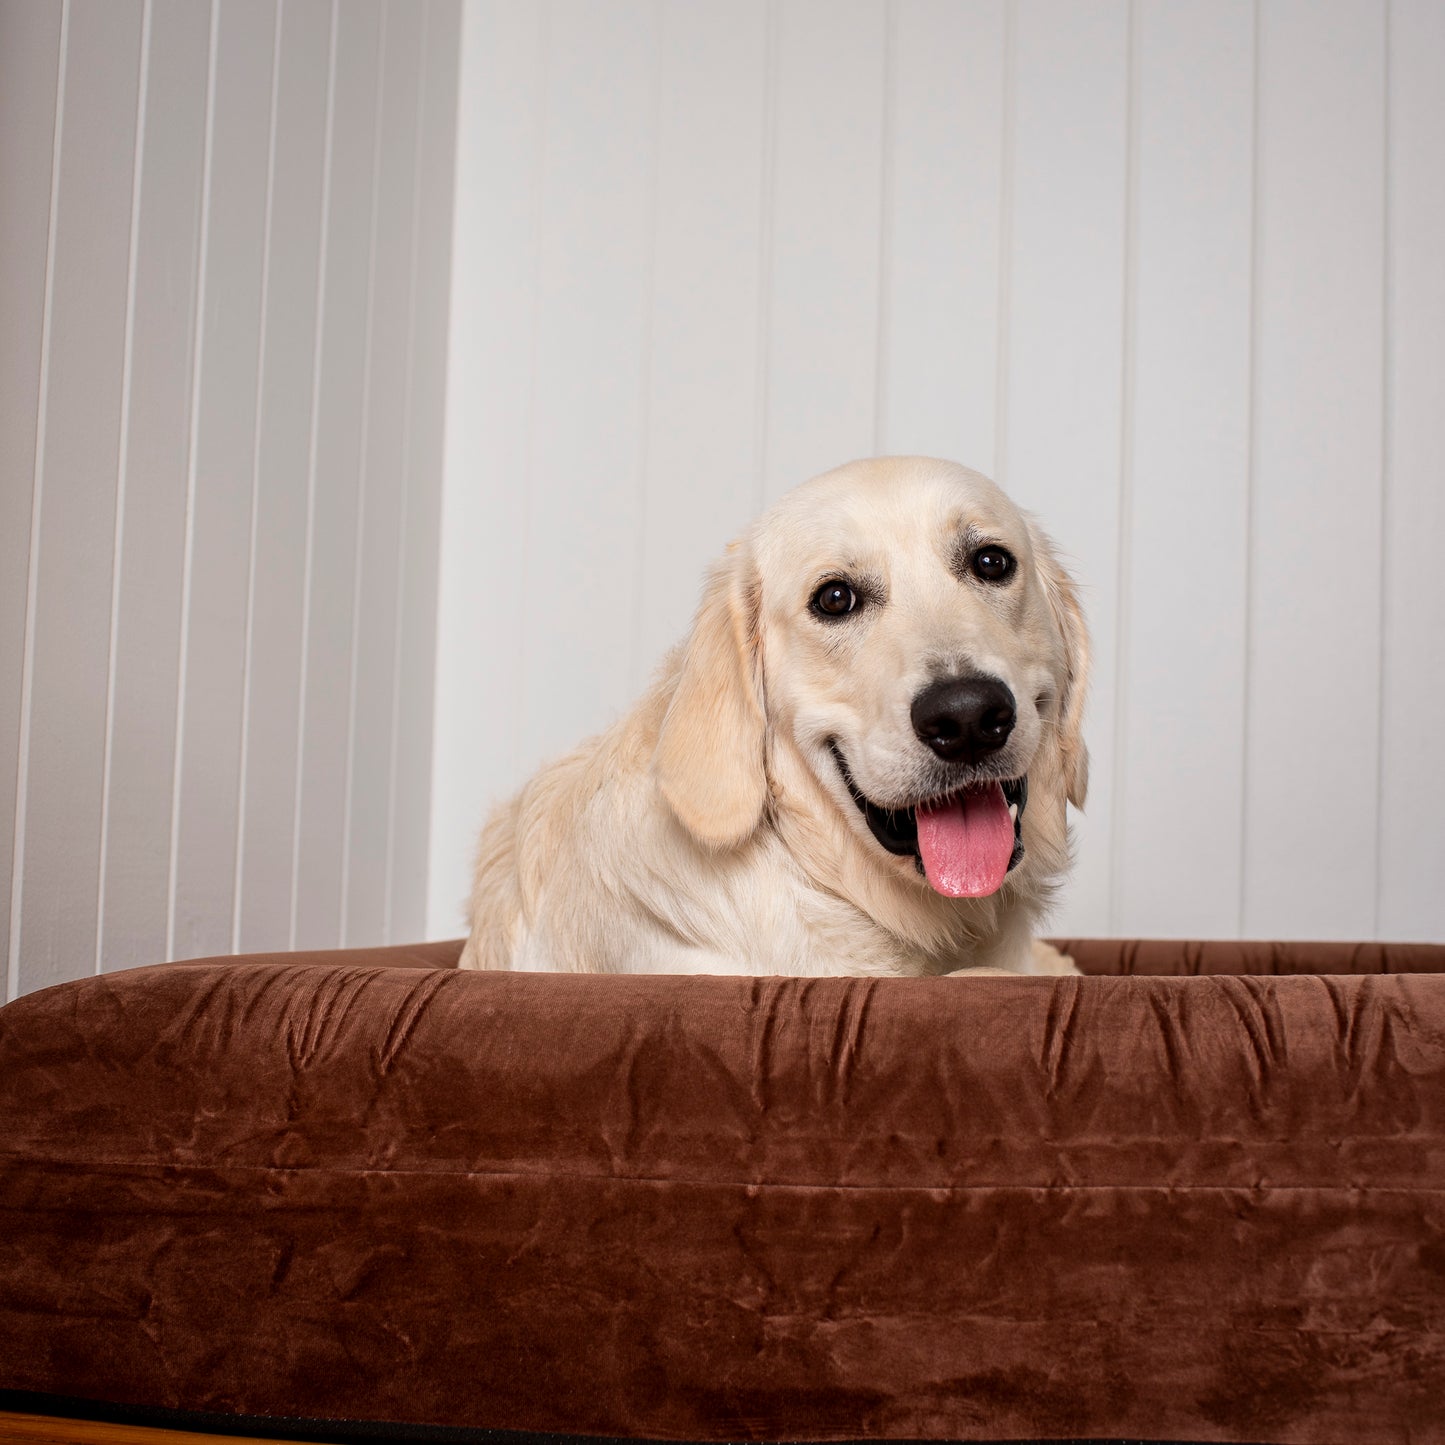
<point x="422" y="993"/>
<point x="1058" y="1030"/>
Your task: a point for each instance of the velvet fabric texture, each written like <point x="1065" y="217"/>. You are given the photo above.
<point x="368" y="1186"/>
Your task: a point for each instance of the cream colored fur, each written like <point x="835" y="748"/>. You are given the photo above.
<point x="709" y="830"/>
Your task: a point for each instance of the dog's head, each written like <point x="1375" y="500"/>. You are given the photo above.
<point x="895" y="643"/>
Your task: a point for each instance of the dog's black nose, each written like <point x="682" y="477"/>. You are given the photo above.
<point x="964" y="719"/>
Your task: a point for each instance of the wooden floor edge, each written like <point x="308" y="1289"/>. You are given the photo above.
<point x="21" y="1429"/>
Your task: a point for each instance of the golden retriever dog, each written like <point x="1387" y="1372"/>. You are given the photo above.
<point x="857" y="763"/>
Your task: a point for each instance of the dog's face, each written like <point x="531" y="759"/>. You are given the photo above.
<point x="901" y="628"/>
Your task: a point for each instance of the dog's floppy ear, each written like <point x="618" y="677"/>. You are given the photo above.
<point x="1063" y="600"/>
<point x="709" y="757"/>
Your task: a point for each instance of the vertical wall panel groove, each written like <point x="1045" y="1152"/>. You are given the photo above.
<point x="312" y="441"/>
<point x="1386" y="407"/>
<point x="283" y="448"/>
<point x="358" y="570"/>
<point x="340" y="409"/>
<point x="418" y="675"/>
<point x="59" y="861"/>
<point x="383" y="466"/>
<point x="31" y="57"/>
<point x="1251" y="491"/>
<point x="312" y="451"/>
<point x="405" y="540"/>
<point x="123" y="448"/>
<point x="221" y="515"/>
<point x="153" y="513"/>
<point x="188" y="547"/>
<point x="258" y="430"/>
<point x="521" y="657"/>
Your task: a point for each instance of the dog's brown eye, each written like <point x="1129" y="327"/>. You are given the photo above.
<point x="992" y="564"/>
<point x="834" y="599"/>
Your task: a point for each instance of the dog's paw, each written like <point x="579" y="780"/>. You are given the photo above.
<point x="1044" y="958"/>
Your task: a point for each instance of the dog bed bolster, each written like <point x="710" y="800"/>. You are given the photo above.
<point x="369" y="1187"/>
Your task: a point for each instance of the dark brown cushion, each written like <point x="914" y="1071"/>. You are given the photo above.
<point x="371" y="1187"/>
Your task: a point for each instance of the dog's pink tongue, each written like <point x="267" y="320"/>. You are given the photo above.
<point x="966" y="843"/>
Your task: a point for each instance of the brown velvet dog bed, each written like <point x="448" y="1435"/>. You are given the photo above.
<point x="367" y="1187"/>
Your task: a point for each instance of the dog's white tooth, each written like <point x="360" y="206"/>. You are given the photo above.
<point x="1013" y="811"/>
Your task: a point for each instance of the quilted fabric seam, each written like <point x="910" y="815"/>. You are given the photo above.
<point x="780" y="1184"/>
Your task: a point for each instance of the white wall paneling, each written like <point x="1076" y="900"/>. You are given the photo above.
<point x="82" y="379"/>
<point x="276" y="573"/>
<point x="583" y="483"/>
<point x="191" y="270"/>
<point x="704" y="339"/>
<point x="337" y="449"/>
<point x="222" y="479"/>
<point x="151" y="532"/>
<point x="942" y="230"/>
<point x="415" y="689"/>
<point x="1312" y="723"/>
<point x="30" y="52"/>
<point x="383" y="479"/>
<point x="491" y="353"/>
<point x="1180" y="686"/>
<point x="826" y="221"/>
<point x="1168" y="269"/>
<point x="1411" y="862"/>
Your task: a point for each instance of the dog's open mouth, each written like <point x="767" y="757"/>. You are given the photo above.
<point x="964" y="843"/>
